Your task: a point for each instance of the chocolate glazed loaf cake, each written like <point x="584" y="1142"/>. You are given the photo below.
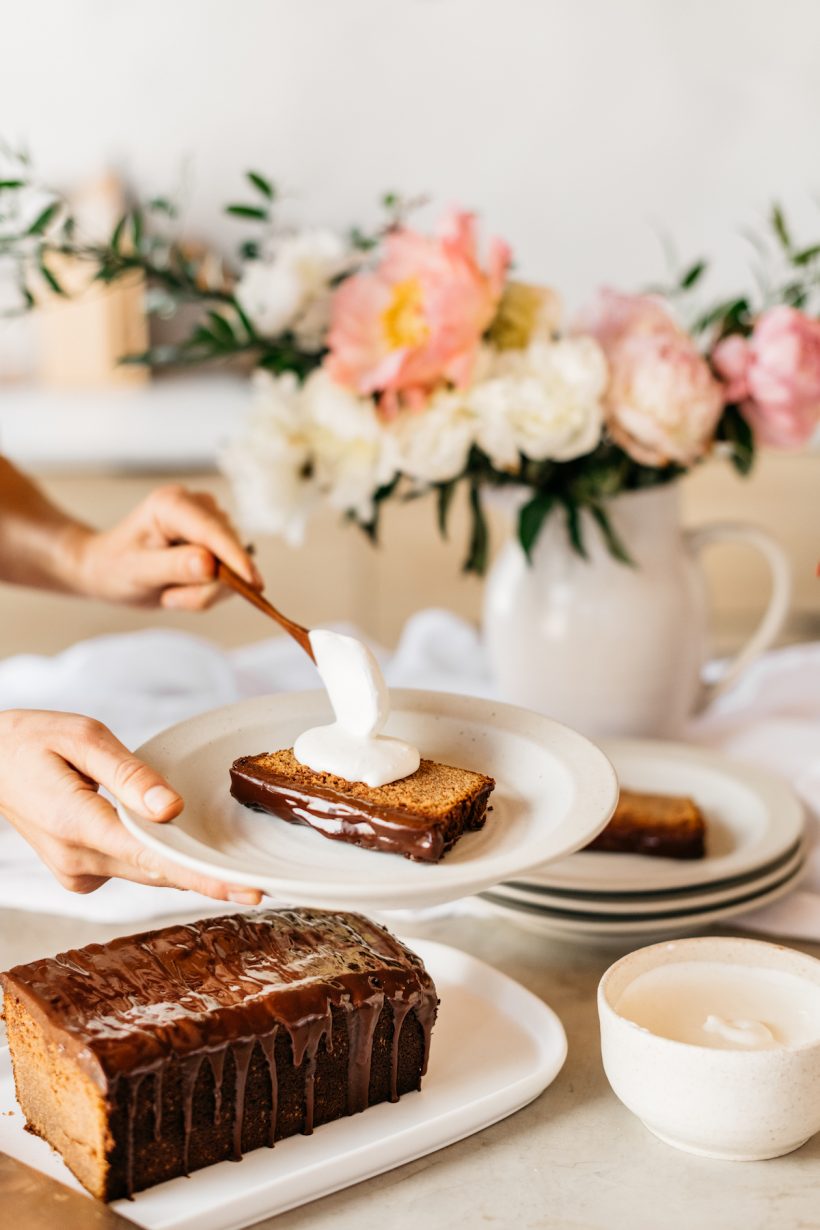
<point x="158" y="1054"/>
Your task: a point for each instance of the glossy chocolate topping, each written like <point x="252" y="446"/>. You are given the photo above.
<point x="194" y="991"/>
<point x="356" y="821"/>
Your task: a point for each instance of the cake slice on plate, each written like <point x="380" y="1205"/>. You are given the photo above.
<point x="664" y="825"/>
<point x="421" y="816"/>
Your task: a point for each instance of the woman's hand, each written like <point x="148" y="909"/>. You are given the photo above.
<point x="163" y="553"/>
<point x="51" y="768"/>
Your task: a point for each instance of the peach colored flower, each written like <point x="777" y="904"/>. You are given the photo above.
<point x="417" y="319"/>
<point x="775" y="376"/>
<point x="662" y="403"/>
<point x="612" y="316"/>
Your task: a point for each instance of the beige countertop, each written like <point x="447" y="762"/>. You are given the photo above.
<point x="574" y="1159"/>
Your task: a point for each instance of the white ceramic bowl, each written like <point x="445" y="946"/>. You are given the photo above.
<point x="738" y="1105"/>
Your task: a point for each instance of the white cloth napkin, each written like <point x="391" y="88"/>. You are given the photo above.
<point x="140" y="683"/>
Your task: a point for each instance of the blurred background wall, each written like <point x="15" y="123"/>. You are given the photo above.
<point x="581" y="130"/>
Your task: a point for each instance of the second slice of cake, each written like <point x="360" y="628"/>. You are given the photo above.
<point x="421" y="816"/>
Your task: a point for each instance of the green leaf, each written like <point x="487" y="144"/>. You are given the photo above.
<point x="249" y="250"/>
<point x="807" y="255"/>
<point x="221" y="329"/>
<point x="736" y="432"/>
<point x="360" y="241"/>
<point x="50" y="278"/>
<point x="614" y="543"/>
<point x="692" y="275"/>
<point x="12" y="183"/>
<point x="477" y="552"/>
<point x="444" y="499"/>
<point x="531" y="519"/>
<point x="263" y="185"/>
<point x="779" y="226"/>
<point x="137" y="228"/>
<point x="116" y="234"/>
<point x="390" y="200"/>
<point x="243" y="316"/>
<point x="42" y="220"/>
<point x="576" y="536"/>
<point x="247" y="211"/>
<point x="162" y="205"/>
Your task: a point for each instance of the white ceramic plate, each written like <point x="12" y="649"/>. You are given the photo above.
<point x="495" y="1048"/>
<point x="568" y="924"/>
<point x="753" y="819"/>
<point x="555" y="790"/>
<point x="634" y="906"/>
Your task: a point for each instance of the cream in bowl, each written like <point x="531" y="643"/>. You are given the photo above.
<point x="715" y="1044"/>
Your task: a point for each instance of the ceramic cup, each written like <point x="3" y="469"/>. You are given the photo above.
<point x="738" y="1105"/>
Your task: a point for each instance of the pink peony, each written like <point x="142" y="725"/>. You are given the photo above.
<point x="611" y="316"/>
<point x="662" y="403"/>
<point x="417" y="320"/>
<point x="775" y="376"/>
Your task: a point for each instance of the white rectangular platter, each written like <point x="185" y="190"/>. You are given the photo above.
<point x="495" y="1048"/>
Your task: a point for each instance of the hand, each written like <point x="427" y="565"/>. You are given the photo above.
<point x="163" y="553"/>
<point x="51" y="768"/>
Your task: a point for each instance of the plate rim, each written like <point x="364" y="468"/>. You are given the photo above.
<point x="572" y="749"/>
<point x="793" y="860"/>
<point x="650" y="924"/>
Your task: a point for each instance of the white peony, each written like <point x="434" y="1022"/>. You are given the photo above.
<point x="432" y="445"/>
<point x="291" y="288"/>
<point x="268" y="466"/>
<point x="347" y="444"/>
<point x="544" y="402"/>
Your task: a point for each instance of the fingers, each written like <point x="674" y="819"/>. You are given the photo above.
<point x="102" y="849"/>
<point x="198" y="519"/>
<point x="193" y="597"/>
<point x="93" y="750"/>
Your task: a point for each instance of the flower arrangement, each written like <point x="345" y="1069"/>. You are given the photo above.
<point x="395" y="364"/>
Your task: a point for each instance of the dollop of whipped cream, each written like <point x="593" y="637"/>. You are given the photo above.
<point x="742" y="1032"/>
<point x="353" y="746"/>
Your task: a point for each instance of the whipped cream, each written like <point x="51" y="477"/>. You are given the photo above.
<point x="353" y="746"/>
<point x="725" y="1007"/>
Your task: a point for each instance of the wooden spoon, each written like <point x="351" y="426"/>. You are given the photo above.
<point x="228" y="577"/>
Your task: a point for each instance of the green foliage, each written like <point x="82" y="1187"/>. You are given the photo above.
<point x="531" y="519"/>
<point x="479" y="545"/>
<point x="737" y="435"/>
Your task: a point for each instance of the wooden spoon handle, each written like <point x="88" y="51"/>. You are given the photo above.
<point x="228" y="577"/>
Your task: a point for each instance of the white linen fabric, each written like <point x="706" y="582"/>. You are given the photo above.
<point x="141" y="683"/>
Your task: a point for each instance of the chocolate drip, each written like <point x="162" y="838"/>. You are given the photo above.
<point x="400" y="1007"/>
<point x="157" y="1103"/>
<point x="242" y="1052"/>
<point x="131" y="1094"/>
<point x="217" y="1061"/>
<point x="305" y="1040"/>
<point x="361" y="1029"/>
<point x="190" y="1073"/>
<point x="268" y="1044"/>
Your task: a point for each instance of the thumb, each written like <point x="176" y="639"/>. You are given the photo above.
<point x="92" y="749"/>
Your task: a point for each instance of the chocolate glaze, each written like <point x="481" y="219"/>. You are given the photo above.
<point x="197" y="991"/>
<point x="356" y="821"/>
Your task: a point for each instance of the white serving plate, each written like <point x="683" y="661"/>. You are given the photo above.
<point x="555" y="791"/>
<point x="555" y="923"/>
<point x="753" y="819"/>
<point x="657" y="903"/>
<point x="495" y="1048"/>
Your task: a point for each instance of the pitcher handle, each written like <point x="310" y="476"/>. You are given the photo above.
<point x="775" y="614"/>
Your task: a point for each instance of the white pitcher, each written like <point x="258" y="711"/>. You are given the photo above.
<point x="611" y="649"/>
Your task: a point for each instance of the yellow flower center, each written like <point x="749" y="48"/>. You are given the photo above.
<point x="403" y="318"/>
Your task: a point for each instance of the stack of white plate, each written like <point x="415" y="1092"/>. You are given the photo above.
<point x="755" y="854"/>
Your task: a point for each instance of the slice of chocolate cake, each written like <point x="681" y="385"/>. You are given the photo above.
<point x="161" y="1053"/>
<point x="666" y="826"/>
<point x="421" y="816"/>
